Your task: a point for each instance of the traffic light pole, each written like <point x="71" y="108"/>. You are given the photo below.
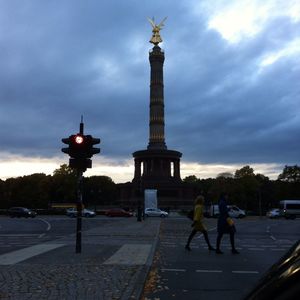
<point x="79" y="202"/>
<point x="79" y="211"/>
<point x="80" y="151"/>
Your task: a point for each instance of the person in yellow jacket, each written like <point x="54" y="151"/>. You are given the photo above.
<point x="198" y="223"/>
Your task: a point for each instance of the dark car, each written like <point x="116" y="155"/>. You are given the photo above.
<point x="118" y="212"/>
<point x="21" y="212"/>
<point x="282" y="281"/>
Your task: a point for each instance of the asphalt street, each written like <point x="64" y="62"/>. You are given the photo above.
<point x="122" y="258"/>
<point x="201" y="274"/>
<point x="17" y="233"/>
<point x="38" y="259"/>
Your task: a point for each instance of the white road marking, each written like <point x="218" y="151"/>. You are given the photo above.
<point x="47" y="229"/>
<point x="201" y="235"/>
<point x="173" y="270"/>
<point x="209" y="271"/>
<point x="19" y="235"/>
<point x="256" y="249"/>
<point x="277" y="249"/>
<point x="245" y="272"/>
<point x="212" y="229"/>
<point x="23" y="254"/>
<point x="130" y="254"/>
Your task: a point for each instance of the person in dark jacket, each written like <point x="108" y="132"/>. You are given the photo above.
<point x="225" y="225"/>
<point x="198" y="223"/>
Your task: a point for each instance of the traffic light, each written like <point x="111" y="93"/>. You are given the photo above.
<point x="80" y="150"/>
<point x="68" y="142"/>
<point x="90" y="143"/>
<point x="77" y="145"/>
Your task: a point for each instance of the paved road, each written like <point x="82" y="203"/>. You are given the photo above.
<point x="16" y="233"/>
<point x="199" y="274"/>
<point x="38" y="260"/>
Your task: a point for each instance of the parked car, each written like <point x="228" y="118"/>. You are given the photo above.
<point x="236" y="212"/>
<point x="273" y="213"/>
<point x="21" y="212"/>
<point x="233" y="211"/>
<point x="290" y="209"/>
<point x="72" y="212"/>
<point x="155" y="212"/>
<point x="118" y="212"/>
<point x="281" y="281"/>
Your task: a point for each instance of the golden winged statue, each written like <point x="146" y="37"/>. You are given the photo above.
<point x="156" y="38"/>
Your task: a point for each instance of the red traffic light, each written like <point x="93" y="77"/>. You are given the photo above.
<point x="78" y="139"/>
<point x="80" y="150"/>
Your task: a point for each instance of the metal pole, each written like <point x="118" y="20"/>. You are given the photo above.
<point x="143" y="199"/>
<point x="259" y="203"/>
<point x="139" y="212"/>
<point x="79" y="200"/>
<point x="79" y="211"/>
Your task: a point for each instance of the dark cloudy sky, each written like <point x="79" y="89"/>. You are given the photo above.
<point x="231" y="77"/>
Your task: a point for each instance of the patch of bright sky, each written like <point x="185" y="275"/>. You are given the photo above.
<point x="239" y="19"/>
<point x="290" y="49"/>
<point x="212" y="170"/>
<point x="14" y="166"/>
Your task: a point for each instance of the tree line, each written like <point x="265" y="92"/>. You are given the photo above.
<point x="248" y="190"/>
<point x="41" y="191"/>
<point x="253" y="192"/>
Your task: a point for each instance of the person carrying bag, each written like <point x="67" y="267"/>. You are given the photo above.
<point x="225" y="225"/>
<point x="198" y="223"/>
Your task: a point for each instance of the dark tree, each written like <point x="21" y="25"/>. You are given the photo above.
<point x="99" y="190"/>
<point x="64" y="185"/>
<point x="290" y="174"/>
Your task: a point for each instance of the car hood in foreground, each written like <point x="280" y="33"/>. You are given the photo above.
<point x="282" y="280"/>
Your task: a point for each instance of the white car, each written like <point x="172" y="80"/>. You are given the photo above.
<point x="273" y="213"/>
<point x="233" y="211"/>
<point x="72" y="212"/>
<point x="155" y="212"/>
<point x="236" y="212"/>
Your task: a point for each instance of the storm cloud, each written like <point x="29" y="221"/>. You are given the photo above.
<point x="228" y="99"/>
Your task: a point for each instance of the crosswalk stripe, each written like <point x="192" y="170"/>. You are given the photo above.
<point x="23" y="254"/>
<point x="256" y="249"/>
<point x="278" y="249"/>
<point x="130" y="254"/>
<point x="209" y="271"/>
<point x="173" y="270"/>
<point x="245" y="272"/>
<point x="17" y="235"/>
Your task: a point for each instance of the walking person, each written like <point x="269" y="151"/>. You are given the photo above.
<point x="198" y="223"/>
<point x="225" y="225"/>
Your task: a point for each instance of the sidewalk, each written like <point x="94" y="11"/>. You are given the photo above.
<point x="114" y="264"/>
